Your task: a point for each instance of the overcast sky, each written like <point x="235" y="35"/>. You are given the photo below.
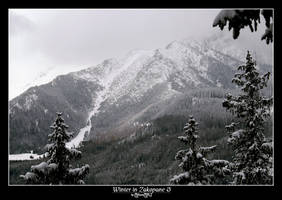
<point x="64" y="40"/>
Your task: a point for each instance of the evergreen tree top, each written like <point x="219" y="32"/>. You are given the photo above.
<point x="253" y="153"/>
<point x="197" y="169"/>
<point x="57" y="168"/>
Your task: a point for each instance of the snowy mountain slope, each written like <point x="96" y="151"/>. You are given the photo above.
<point x="32" y="113"/>
<point x="43" y="77"/>
<point x="223" y="42"/>
<point x="118" y="92"/>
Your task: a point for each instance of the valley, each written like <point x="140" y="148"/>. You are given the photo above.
<point x="127" y="113"/>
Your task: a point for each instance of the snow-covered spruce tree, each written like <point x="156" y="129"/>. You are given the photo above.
<point x="253" y="152"/>
<point x="238" y="19"/>
<point x="197" y="169"/>
<point x="57" y="169"/>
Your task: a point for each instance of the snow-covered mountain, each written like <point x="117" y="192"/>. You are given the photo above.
<point x="224" y="43"/>
<point x="43" y="77"/>
<point x="120" y="92"/>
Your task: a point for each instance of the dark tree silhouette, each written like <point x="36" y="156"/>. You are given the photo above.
<point x="239" y="19"/>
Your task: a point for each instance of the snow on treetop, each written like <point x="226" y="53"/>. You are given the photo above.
<point x="40" y="167"/>
<point x="28" y="175"/>
<point x="236" y="135"/>
<point x="205" y="150"/>
<point x="199" y="155"/>
<point x="267" y="147"/>
<point x="179" y="177"/>
<point x="240" y="174"/>
<point x="79" y="171"/>
<point x="208" y="148"/>
<point x="183" y="138"/>
<point x="219" y="162"/>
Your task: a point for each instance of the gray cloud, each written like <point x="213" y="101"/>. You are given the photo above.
<point x="19" y="24"/>
<point x="74" y="37"/>
<point x="67" y="39"/>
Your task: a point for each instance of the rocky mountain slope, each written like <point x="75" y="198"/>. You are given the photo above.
<point x="114" y="95"/>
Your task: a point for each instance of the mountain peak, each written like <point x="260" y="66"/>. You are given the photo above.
<point x="109" y="96"/>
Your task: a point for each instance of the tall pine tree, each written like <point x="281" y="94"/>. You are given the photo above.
<point x="57" y="169"/>
<point x="197" y="169"/>
<point x="253" y="152"/>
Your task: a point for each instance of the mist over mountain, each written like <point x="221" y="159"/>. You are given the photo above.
<point x="118" y="93"/>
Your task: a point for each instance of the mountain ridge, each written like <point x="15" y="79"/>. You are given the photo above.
<point x="117" y="92"/>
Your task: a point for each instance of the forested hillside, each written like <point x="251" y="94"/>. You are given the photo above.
<point x="147" y="156"/>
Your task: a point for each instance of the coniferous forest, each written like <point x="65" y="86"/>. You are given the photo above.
<point x="179" y="132"/>
<point x="151" y="154"/>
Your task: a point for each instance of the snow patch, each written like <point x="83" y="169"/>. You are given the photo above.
<point x="145" y="124"/>
<point x="101" y="97"/>
<point x="18" y="106"/>
<point x="25" y="156"/>
<point x="178" y="178"/>
<point x="195" y="100"/>
<point x="218" y="84"/>
<point x="29" y="100"/>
